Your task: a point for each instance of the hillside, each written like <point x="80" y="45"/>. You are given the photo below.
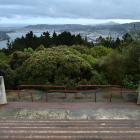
<point x="112" y="27"/>
<point x="90" y="31"/>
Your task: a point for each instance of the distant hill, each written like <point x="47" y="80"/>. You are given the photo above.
<point x="91" y="31"/>
<point x="110" y="26"/>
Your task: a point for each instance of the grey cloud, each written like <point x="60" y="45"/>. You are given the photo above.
<point x="91" y="9"/>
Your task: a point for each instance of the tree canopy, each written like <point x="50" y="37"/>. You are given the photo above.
<point x="66" y="59"/>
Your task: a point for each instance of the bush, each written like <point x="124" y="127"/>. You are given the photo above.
<point x="41" y="47"/>
<point x="8" y="74"/>
<point x="55" y="65"/>
<point x="98" y="78"/>
<point x="113" y="67"/>
<point x="4" y="58"/>
<point x="132" y="62"/>
<point x="81" y="49"/>
<point x="90" y="59"/>
<point x="18" y="58"/>
<point x="100" y="51"/>
<point x="128" y="82"/>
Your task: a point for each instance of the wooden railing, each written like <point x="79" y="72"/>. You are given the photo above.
<point x="46" y="88"/>
<point x="79" y="89"/>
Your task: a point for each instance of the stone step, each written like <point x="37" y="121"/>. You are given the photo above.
<point x="67" y="121"/>
<point x="69" y="125"/>
<point x="70" y="130"/>
<point x="71" y="137"/>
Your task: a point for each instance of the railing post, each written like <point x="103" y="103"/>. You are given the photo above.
<point x="18" y="93"/>
<point x="95" y="97"/>
<point x="110" y="96"/>
<point x="76" y="94"/>
<point x="138" y="90"/>
<point x="32" y="98"/>
<point x="46" y="97"/>
<point x="122" y="92"/>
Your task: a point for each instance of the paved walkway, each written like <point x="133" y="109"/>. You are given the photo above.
<point x="70" y="121"/>
<point x="87" y="105"/>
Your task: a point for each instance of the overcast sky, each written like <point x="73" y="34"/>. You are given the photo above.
<point x="68" y="11"/>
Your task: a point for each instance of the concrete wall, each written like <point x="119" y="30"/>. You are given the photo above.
<point x="138" y="95"/>
<point x="3" y="99"/>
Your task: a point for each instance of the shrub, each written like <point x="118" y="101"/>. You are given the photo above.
<point x="132" y="62"/>
<point x="8" y="74"/>
<point x="41" y="47"/>
<point x="112" y="66"/>
<point x="100" y="51"/>
<point x="98" y="78"/>
<point x="53" y="65"/>
<point x="90" y="59"/>
<point x="18" y="58"/>
<point x="4" y="57"/>
<point x="81" y="49"/>
<point x="128" y="82"/>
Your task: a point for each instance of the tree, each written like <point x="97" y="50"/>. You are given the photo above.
<point x="117" y="42"/>
<point x="55" y="39"/>
<point x="32" y="41"/>
<point x="113" y="66"/>
<point x="127" y="38"/>
<point x="132" y="63"/>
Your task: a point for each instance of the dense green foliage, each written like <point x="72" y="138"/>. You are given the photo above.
<point x="8" y="74"/>
<point x="59" y="60"/>
<point x="55" y="65"/>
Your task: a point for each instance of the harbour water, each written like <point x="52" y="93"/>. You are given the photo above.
<point x="14" y="35"/>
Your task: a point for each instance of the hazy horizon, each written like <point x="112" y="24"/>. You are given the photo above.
<point x="95" y="22"/>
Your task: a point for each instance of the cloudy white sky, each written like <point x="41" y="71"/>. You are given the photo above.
<point x="68" y="11"/>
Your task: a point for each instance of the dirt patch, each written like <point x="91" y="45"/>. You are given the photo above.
<point x="86" y="114"/>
